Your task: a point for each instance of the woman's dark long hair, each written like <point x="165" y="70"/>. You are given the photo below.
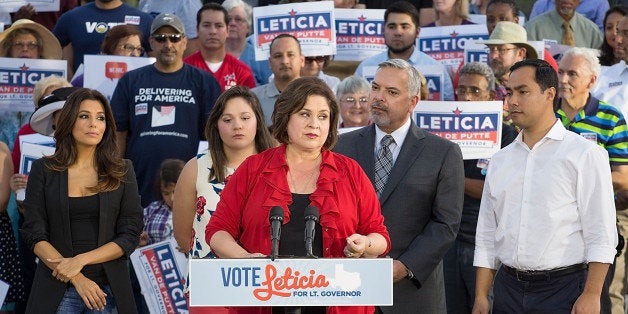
<point x="607" y="57"/>
<point x="263" y="139"/>
<point x="107" y="159"/>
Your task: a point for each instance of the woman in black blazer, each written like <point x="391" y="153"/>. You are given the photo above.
<point x="83" y="215"/>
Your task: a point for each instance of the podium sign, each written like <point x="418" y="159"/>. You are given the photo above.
<point x="291" y="282"/>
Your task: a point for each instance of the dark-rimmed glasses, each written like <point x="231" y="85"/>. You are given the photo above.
<point x="131" y="49"/>
<point x="174" y="38"/>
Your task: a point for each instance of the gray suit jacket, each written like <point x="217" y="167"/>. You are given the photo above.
<point x="422" y="206"/>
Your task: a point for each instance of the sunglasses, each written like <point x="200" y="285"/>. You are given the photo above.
<point x="174" y="38"/>
<point x="319" y="59"/>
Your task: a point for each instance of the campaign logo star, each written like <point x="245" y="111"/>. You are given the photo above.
<point x="454" y="34"/>
<point x="24" y="67"/>
<point x="457" y="112"/>
<point x="293" y="12"/>
<point x="362" y="18"/>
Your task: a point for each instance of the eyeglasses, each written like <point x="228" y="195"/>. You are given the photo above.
<point x="351" y="99"/>
<point x="31" y="45"/>
<point x="319" y="59"/>
<point x="460" y="90"/>
<point x="131" y="49"/>
<point x="500" y="51"/>
<point x="174" y="38"/>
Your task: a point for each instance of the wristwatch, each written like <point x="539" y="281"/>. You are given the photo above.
<point x="410" y="275"/>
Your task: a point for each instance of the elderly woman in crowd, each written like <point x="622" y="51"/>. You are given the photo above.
<point x="240" y="20"/>
<point x="121" y="40"/>
<point x="301" y="172"/>
<point x="353" y="95"/>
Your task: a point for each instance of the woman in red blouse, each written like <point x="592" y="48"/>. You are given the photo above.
<point x="301" y="172"/>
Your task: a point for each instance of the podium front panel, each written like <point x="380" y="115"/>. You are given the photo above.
<point x="291" y="282"/>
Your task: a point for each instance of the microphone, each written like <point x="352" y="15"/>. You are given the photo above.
<point x="311" y="218"/>
<point x="276" y="219"/>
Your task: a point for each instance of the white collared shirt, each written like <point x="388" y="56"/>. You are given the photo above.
<point x="399" y="135"/>
<point x="547" y="207"/>
<point x="612" y="86"/>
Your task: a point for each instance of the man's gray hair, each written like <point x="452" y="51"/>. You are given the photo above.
<point x="593" y="63"/>
<point x="414" y="77"/>
<point x="248" y="10"/>
<point x="351" y="85"/>
<point x="481" y="69"/>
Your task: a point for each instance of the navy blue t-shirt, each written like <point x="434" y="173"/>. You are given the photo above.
<point x="85" y="27"/>
<point x="164" y="115"/>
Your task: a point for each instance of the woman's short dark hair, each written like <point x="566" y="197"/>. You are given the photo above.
<point x="117" y="33"/>
<point x="107" y="156"/>
<point x="607" y="56"/>
<point x="263" y="140"/>
<point x="293" y="99"/>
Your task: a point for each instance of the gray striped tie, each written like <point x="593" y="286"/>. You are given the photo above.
<point x="383" y="164"/>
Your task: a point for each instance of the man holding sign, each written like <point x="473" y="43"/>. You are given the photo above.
<point x="401" y="30"/>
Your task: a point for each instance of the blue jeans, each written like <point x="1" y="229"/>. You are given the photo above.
<point x="73" y="303"/>
<point x="459" y="275"/>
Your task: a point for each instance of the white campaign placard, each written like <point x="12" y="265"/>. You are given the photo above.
<point x="18" y="77"/>
<point x="476" y="126"/>
<point x="359" y="34"/>
<point x="434" y="76"/>
<point x="102" y="72"/>
<point x="447" y="43"/>
<point x="31" y="151"/>
<point x="39" y="5"/>
<point x="161" y="271"/>
<point x="291" y="282"/>
<point x="311" y="22"/>
<point x="4" y="290"/>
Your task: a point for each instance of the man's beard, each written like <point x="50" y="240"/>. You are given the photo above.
<point x="400" y="50"/>
<point x="499" y="69"/>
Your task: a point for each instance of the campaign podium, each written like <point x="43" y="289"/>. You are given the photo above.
<point x="291" y="282"/>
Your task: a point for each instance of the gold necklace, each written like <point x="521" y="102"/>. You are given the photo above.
<point x="307" y="183"/>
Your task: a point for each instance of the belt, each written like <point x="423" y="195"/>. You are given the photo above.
<point x="544" y="275"/>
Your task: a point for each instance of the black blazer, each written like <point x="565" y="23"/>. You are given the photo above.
<point x="422" y="206"/>
<point x="47" y="219"/>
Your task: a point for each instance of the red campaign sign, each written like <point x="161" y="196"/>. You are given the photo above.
<point x="115" y="70"/>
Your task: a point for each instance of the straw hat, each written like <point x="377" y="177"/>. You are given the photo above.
<point x="511" y="33"/>
<point x="41" y="119"/>
<point x="51" y="49"/>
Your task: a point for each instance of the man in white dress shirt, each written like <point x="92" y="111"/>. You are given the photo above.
<point x="547" y="217"/>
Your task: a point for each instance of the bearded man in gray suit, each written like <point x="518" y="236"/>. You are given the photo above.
<point x="419" y="178"/>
